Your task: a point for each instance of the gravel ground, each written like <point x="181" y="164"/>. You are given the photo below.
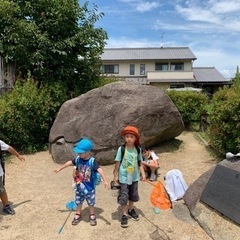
<point x="38" y="196"/>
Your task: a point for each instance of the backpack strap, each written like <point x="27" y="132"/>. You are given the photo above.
<point x="123" y="151"/>
<point x="91" y="161"/>
<point x="77" y="161"/>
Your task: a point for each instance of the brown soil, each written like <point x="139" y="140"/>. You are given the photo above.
<point x="38" y="196"/>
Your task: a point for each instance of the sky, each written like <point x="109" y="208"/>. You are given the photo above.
<point x="210" y="28"/>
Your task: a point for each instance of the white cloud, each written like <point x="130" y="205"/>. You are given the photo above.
<point x="223" y="15"/>
<point x="147" y="6"/>
<point x="198" y="14"/>
<point x="142" y="6"/>
<point x="225" y="6"/>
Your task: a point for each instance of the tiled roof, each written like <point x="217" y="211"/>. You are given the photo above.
<point x="208" y="74"/>
<point x="176" y="53"/>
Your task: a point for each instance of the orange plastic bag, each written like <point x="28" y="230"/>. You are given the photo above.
<point x="159" y="197"/>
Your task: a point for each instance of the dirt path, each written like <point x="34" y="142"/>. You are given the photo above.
<point x="39" y="196"/>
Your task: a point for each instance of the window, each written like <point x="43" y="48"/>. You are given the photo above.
<point x="142" y="69"/>
<point x="132" y="69"/>
<point x="110" y="69"/>
<point x="177" y="66"/>
<point x="161" y="66"/>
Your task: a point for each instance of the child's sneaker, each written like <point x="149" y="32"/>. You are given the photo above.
<point x="8" y="210"/>
<point x="153" y="177"/>
<point x="133" y="215"/>
<point x="124" y="221"/>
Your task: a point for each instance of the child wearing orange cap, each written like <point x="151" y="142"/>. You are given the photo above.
<point x="127" y="172"/>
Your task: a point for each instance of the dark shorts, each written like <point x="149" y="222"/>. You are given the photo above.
<point x="128" y="193"/>
<point x="2" y="188"/>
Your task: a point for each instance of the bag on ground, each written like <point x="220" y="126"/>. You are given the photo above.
<point x="159" y="197"/>
<point x="175" y="184"/>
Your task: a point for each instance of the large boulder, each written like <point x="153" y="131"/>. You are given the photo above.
<point x="218" y="226"/>
<point x="102" y="113"/>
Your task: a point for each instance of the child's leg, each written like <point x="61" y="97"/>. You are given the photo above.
<point x="77" y="216"/>
<point x="79" y="198"/>
<point x="130" y="205"/>
<point x="123" y="201"/>
<point x="79" y="209"/>
<point x="153" y="168"/>
<point x="124" y="209"/>
<point x="90" y="197"/>
<point x="4" y="198"/>
<point x="133" y="197"/>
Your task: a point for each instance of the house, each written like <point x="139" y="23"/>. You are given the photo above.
<point x="166" y="67"/>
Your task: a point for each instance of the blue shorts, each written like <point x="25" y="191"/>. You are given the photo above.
<point x="80" y="196"/>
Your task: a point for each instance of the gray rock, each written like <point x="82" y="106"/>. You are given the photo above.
<point x="102" y="113"/>
<point x="214" y="223"/>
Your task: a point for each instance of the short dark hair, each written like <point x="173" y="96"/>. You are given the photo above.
<point x="145" y="148"/>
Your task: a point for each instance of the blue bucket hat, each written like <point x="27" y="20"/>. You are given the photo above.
<point x="84" y="145"/>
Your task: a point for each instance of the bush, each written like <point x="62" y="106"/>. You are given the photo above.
<point x="224" y="129"/>
<point x="191" y="105"/>
<point x="27" y="114"/>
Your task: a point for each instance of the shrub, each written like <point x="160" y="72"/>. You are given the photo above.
<point x="27" y="114"/>
<point x="190" y="105"/>
<point x="224" y="129"/>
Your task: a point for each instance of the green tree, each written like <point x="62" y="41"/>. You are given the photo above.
<point x="191" y="105"/>
<point x="55" y="40"/>
<point x="27" y="113"/>
<point x="224" y="129"/>
<point x="236" y="79"/>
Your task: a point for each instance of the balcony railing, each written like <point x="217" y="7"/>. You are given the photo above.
<point x="170" y="75"/>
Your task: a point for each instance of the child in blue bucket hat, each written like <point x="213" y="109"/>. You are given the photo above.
<point x="85" y="166"/>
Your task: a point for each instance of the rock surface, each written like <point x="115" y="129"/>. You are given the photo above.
<point x="102" y="113"/>
<point x="214" y="223"/>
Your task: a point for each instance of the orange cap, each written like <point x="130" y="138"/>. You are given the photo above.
<point x="131" y="130"/>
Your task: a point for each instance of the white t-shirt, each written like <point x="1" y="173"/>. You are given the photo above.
<point x="154" y="156"/>
<point x="3" y="147"/>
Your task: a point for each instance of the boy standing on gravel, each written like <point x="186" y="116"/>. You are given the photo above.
<point x="85" y="186"/>
<point x="127" y="171"/>
<point x="7" y="208"/>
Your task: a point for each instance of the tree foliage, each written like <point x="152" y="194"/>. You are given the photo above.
<point x="27" y="114"/>
<point x="224" y="129"/>
<point x="190" y="105"/>
<point x="236" y="79"/>
<point x="55" y="40"/>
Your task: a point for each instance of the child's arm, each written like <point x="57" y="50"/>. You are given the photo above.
<point x="152" y="163"/>
<point x="142" y="172"/>
<point x="115" y="171"/>
<point x="74" y="171"/>
<point x="67" y="164"/>
<point x="14" y="152"/>
<point x="101" y="172"/>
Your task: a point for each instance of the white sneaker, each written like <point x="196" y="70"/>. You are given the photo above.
<point x="153" y="177"/>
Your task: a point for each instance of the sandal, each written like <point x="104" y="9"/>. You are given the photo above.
<point x="77" y="218"/>
<point x="93" y="220"/>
